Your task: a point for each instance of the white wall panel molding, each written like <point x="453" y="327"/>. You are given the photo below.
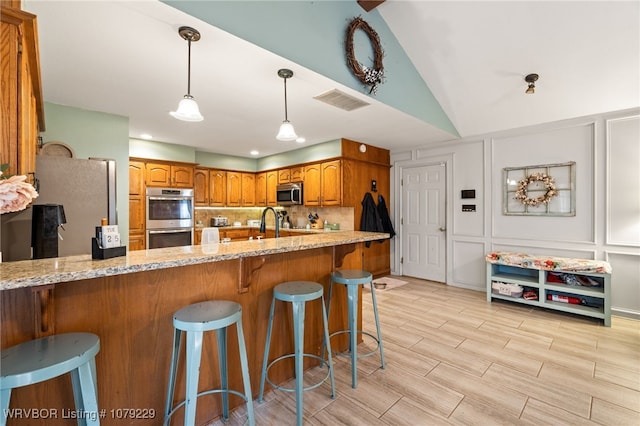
<point x="622" y="216"/>
<point x="468" y="265"/>
<point x="625" y="283"/>
<point x="576" y="142"/>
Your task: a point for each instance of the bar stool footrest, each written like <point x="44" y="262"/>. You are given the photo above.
<point x="208" y="392"/>
<point x="364" y="355"/>
<point x="323" y="363"/>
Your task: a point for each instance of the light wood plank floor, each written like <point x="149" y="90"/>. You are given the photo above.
<point x="453" y="358"/>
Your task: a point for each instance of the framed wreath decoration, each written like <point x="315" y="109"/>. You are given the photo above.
<point x="549" y="185"/>
<point x="368" y="75"/>
<point x="540" y="190"/>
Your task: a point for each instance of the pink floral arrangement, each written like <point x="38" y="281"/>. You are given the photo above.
<point x="15" y="193"/>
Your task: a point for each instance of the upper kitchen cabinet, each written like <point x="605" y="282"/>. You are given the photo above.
<point x="21" y="90"/>
<point x="241" y="189"/>
<point x="284" y="175"/>
<point x="266" y="186"/>
<point x="136" y="178"/>
<point x="297" y="174"/>
<point x="217" y="188"/>
<point x="293" y="174"/>
<point x="261" y="189"/>
<point x="170" y="175"/>
<point x="323" y="184"/>
<point x="201" y="187"/>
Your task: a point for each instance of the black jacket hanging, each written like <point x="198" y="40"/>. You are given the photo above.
<point x="370" y="220"/>
<point x="387" y="226"/>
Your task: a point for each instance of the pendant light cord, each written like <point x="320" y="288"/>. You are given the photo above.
<point x="189" y="69"/>
<point x="285" y="100"/>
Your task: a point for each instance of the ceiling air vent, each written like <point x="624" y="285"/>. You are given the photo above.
<point x="341" y="100"/>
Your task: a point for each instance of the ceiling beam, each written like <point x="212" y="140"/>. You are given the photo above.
<point x="369" y="5"/>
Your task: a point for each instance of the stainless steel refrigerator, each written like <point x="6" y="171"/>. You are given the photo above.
<point x="87" y="191"/>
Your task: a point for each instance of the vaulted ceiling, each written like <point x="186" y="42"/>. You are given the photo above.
<point x="126" y="58"/>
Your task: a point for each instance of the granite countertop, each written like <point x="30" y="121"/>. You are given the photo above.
<point x="31" y="273"/>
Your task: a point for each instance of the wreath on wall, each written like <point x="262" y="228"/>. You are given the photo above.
<point x="549" y="186"/>
<point x="369" y="76"/>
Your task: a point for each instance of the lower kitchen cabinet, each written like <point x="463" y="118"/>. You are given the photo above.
<point x="137" y="241"/>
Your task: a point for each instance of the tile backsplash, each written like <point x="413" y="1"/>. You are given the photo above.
<point x="297" y="215"/>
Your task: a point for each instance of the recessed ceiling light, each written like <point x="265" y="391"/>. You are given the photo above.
<point x="301" y="140"/>
<point x="254" y="152"/>
<point x="146" y="136"/>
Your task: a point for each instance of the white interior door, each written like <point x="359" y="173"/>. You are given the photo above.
<point x="423" y="222"/>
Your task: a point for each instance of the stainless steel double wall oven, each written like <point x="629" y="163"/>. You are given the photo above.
<point x="170" y="213"/>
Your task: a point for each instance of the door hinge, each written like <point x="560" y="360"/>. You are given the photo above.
<point x="401" y="181"/>
<point x="402" y="221"/>
<point x="401" y="260"/>
<point x="19" y="47"/>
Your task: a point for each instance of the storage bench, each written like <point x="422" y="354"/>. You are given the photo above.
<point x="578" y="286"/>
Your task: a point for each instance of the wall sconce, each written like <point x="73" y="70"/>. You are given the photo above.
<point x="531" y="79"/>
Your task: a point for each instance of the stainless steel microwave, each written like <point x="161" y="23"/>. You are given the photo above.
<point x="289" y="194"/>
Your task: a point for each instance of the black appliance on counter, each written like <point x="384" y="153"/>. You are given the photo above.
<point x="44" y="229"/>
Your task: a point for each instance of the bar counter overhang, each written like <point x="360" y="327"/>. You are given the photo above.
<point x="129" y="303"/>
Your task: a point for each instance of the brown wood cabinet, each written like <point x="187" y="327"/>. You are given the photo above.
<point x="272" y="185"/>
<point x="284" y="175"/>
<point x="136" y="205"/>
<point x="170" y="175"/>
<point x="266" y="185"/>
<point x="201" y="187"/>
<point x="261" y="189"/>
<point x="323" y="184"/>
<point x="293" y="174"/>
<point x="358" y="169"/>
<point x="297" y="174"/>
<point x="21" y="91"/>
<point x="241" y="189"/>
<point x="217" y="188"/>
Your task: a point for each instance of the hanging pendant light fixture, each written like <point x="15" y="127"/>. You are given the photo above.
<point x="286" y="133"/>
<point x="188" y="108"/>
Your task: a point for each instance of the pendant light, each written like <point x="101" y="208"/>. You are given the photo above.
<point x="188" y="108"/>
<point x="286" y="133"/>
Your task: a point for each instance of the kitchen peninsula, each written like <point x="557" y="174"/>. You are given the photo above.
<point x="129" y="302"/>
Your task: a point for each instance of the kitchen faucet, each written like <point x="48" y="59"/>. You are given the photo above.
<point x="262" y="222"/>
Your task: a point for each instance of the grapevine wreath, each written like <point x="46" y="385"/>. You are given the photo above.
<point x="369" y="76"/>
<point x="549" y="184"/>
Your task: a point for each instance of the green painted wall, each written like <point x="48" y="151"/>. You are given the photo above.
<point x="161" y="151"/>
<point x="95" y="134"/>
<point x="312" y="34"/>
<point x="303" y="155"/>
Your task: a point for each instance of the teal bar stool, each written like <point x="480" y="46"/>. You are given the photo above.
<point x="298" y="293"/>
<point x="353" y="279"/>
<point x="194" y="320"/>
<point x="46" y="358"/>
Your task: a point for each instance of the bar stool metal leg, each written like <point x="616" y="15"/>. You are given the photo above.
<point x="267" y="345"/>
<point x="194" y="355"/>
<point x="177" y="334"/>
<point x="352" y="318"/>
<point x="377" y="319"/>
<point x="244" y="365"/>
<point x="298" y="339"/>
<point x="221" y="337"/>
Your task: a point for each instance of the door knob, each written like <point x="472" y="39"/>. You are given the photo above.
<point x="442" y="228"/>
